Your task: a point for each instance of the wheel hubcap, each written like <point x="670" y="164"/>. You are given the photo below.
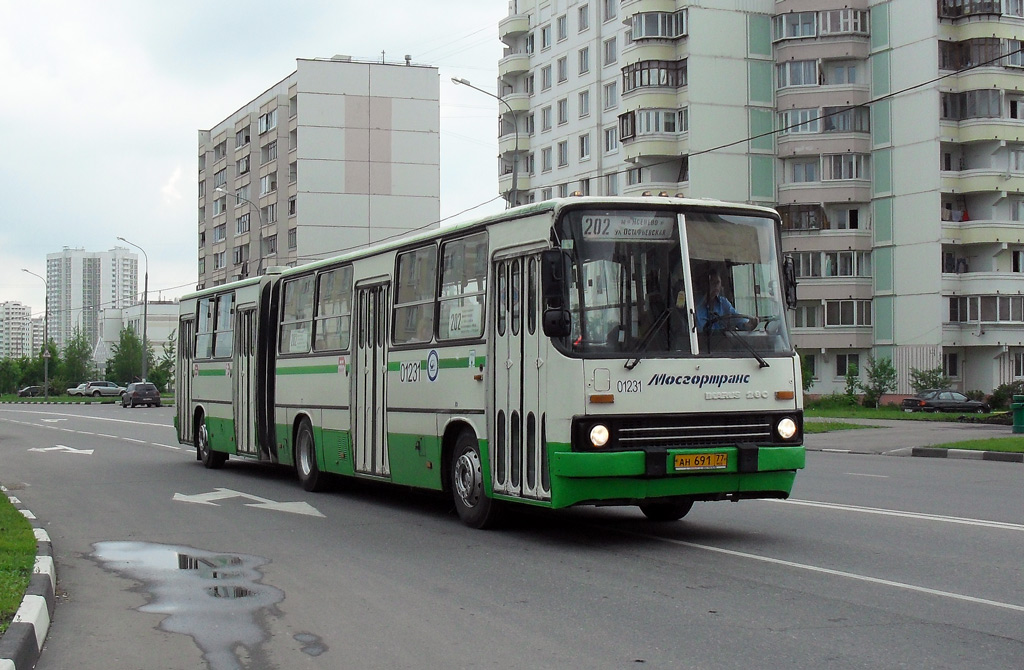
<point x="304" y="457"/>
<point x="467" y="479"/>
<point x="204" y="444"/>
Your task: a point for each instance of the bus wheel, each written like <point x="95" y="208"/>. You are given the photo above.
<point x="305" y="459"/>
<point x="211" y="459"/>
<point x="474" y="507"/>
<point x="666" y="511"/>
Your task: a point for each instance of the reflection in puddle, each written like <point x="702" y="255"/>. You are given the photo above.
<point x="214" y="598"/>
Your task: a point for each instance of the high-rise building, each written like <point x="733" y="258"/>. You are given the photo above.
<point x="16" y="330"/>
<point x="338" y="155"/>
<point x="80" y="283"/>
<point x="889" y="135"/>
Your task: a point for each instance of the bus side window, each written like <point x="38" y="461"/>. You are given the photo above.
<point x="223" y="334"/>
<point x="463" y="288"/>
<point x="297" y="316"/>
<point x="414" y="296"/>
<point x="333" y="309"/>
<point x="204" y="331"/>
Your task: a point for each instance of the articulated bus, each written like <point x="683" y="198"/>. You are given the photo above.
<point x="578" y="351"/>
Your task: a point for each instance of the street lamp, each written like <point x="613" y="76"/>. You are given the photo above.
<point x="514" y="193"/>
<point x="46" y="336"/>
<point x="259" y="213"/>
<point x="145" y="308"/>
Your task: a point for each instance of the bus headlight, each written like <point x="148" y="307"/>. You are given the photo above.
<point x="599" y="435"/>
<point x="786" y="428"/>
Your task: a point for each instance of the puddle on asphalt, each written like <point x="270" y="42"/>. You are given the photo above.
<point x="213" y="598"/>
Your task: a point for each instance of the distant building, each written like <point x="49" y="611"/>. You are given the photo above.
<point x="337" y="155"/>
<point x="82" y="283"/>
<point x="161" y="321"/>
<point x="16" y="330"/>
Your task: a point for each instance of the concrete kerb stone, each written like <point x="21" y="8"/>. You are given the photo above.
<point x="22" y="642"/>
<point x="968" y="454"/>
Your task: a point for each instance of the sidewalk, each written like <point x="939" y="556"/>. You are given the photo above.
<point x="910" y="438"/>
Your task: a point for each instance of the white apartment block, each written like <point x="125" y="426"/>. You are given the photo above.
<point x="338" y="155"/>
<point x="897" y="171"/>
<point x="16" y="330"/>
<point x="81" y="283"/>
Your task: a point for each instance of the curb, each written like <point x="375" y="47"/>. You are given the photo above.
<point x="22" y="643"/>
<point x="967" y="454"/>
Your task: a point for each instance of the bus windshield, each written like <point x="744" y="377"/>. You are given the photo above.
<point x="631" y="293"/>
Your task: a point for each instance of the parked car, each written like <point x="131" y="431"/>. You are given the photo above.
<point x="141" y="393"/>
<point x="97" y="389"/>
<point x="943" y="400"/>
<point x="30" y="392"/>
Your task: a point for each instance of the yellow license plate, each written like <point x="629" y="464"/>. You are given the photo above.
<point x="683" y="462"/>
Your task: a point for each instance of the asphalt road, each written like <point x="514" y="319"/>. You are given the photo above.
<point x="876" y="562"/>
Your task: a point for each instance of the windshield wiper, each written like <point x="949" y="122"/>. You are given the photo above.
<point x="714" y="318"/>
<point x="662" y="318"/>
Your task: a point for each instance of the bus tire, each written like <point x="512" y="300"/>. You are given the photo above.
<point x="306" y="468"/>
<point x="466" y="469"/>
<point x="212" y="460"/>
<point x="672" y="510"/>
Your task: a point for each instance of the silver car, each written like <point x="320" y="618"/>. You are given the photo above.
<point x="97" y="389"/>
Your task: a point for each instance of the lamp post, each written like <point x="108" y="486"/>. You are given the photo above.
<point x="514" y="193"/>
<point x="145" y="308"/>
<point x="259" y="214"/>
<point x="46" y="336"/>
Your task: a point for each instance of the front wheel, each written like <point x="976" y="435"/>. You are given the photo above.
<point x="471" y="502"/>
<point x="305" y="460"/>
<point x="211" y="459"/>
<point x="95" y="394"/>
<point x="673" y="510"/>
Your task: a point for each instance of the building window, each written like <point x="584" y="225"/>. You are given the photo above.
<point x="242" y="137"/>
<point x="610" y="9"/>
<point x="583" y="18"/>
<point x="809" y="363"/>
<point x="795" y="25"/>
<point x="847" y="363"/>
<point x="219" y="260"/>
<point x="268" y="153"/>
<point x="1018" y="365"/>
<point x="545" y="118"/>
<point x="220" y="232"/>
<point x="807" y="263"/>
<point x="610" y="51"/>
<point x="951" y="364"/>
<point x="269" y="214"/>
<point x="658" y="25"/>
<point x="242" y="165"/>
<point x="843" y="21"/>
<point x="797" y="73"/>
<point x="242" y="224"/>
<point x="562" y="27"/>
<point x="545" y="78"/>
<point x="268" y="121"/>
<point x="845" y="166"/>
<point x="240" y="254"/>
<point x="220" y="178"/>
<point x="611" y="139"/>
<point x="563" y="68"/>
<point x="270" y="245"/>
<point x="847" y="264"/>
<point x="846" y="120"/>
<point x="545" y="194"/>
<point x="220" y="150"/>
<point x="847" y="313"/>
<point x="611" y="184"/>
<point x="796" y="121"/>
<point x="584" y="60"/>
<point x="611" y="95"/>
<point x="563" y="153"/>
<point x="806" y="314"/>
<point x="268" y="183"/>
<point x="584" y="147"/>
<point x="293" y="240"/>
<point x="545" y="159"/>
<point x="545" y="37"/>
<point x="654" y="73"/>
<point x="584" y="105"/>
<point x="563" y="111"/>
<point x="634" y="176"/>
<point x="841" y="74"/>
<point x="803" y="170"/>
<point x="219" y="206"/>
<point x="291" y="206"/>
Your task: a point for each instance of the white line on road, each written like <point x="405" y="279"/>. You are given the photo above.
<point x="864" y="474"/>
<point x="112" y="437"/>
<point x="835" y="573"/>
<point x="906" y="515"/>
<point x="166" y="446"/>
<point x="131" y="439"/>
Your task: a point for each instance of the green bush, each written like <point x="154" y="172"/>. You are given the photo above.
<point x="1003" y="395"/>
<point x="833" y="401"/>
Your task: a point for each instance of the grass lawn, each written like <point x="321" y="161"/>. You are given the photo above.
<point x="1013" y="444"/>
<point x="812" y="427"/>
<point x="17" y="556"/>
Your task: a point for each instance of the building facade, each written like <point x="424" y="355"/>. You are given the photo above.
<point x="81" y="283"/>
<point x="889" y="136"/>
<point x="338" y="155"/>
<point x="16" y="330"/>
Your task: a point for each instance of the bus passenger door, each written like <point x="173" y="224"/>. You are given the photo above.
<point x="516" y="444"/>
<point x="370" y="374"/>
<point x="244" y="383"/>
<point x="183" y="378"/>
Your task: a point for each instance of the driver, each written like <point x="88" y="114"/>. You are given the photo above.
<point x="715" y="312"/>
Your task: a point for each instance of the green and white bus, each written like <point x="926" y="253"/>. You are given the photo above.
<point x="579" y="351"/>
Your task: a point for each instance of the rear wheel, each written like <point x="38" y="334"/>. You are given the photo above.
<point x="471" y="502"/>
<point x="95" y="394"/>
<point x="673" y="510"/>
<point x="305" y="459"/>
<point x="211" y="459"/>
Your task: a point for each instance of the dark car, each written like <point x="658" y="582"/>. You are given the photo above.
<point x="30" y="392"/>
<point x="943" y="400"/>
<point x="141" y="393"/>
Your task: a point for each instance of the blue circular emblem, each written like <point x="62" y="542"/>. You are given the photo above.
<point x="433" y="365"/>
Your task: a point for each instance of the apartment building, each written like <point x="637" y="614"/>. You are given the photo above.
<point x="15" y="330"/>
<point x="81" y="283"/>
<point x="889" y="135"/>
<point x="337" y="155"/>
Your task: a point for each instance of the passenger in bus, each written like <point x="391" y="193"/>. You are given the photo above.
<point x="715" y="312"/>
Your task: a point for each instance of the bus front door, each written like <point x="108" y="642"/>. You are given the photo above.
<point x="518" y="464"/>
<point x="369" y="415"/>
<point x="183" y="378"/>
<point x="245" y="383"/>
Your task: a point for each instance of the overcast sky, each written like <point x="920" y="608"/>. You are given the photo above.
<point x="102" y="101"/>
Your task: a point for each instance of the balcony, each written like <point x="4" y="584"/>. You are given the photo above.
<point x="981" y="180"/>
<point x="505" y="179"/>
<point x="514" y="64"/>
<point x="655" y="145"/>
<point x="653" y="49"/>
<point x="630" y="7"/>
<point x="513" y="26"/>
<point x="981" y="231"/>
<point x="507" y="143"/>
<point x="519" y="102"/>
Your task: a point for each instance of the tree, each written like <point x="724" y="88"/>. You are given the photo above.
<point x="881" y="379"/>
<point x="934" y="378"/>
<point x="10" y="375"/>
<point x="125" y="363"/>
<point x="162" y="374"/>
<point x="852" y="381"/>
<point x="807" y="374"/>
<point x="76" y="366"/>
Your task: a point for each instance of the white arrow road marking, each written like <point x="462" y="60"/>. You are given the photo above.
<point x="223" y="494"/>
<point x="52" y="420"/>
<point x="61" y="447"/>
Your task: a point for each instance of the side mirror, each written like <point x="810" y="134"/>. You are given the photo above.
<point x="557" y="323"/>
<point x="554" y="285"/>
<point x="789" y="281"/>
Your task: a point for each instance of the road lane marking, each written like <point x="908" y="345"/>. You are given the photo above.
<point x="112" y="437"/>
<point x="132" y="439"/>
<point x="982" y="523"/>
<point x="864" y="474"/>
<point x="166" y="446"/>
<point x="830" y="571"/>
